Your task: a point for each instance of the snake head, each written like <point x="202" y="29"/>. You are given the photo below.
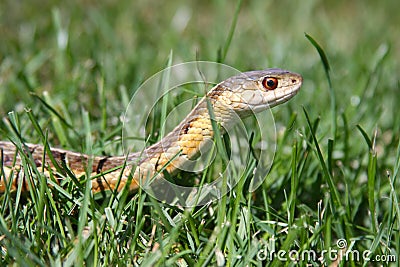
<point x="255" y="91"/>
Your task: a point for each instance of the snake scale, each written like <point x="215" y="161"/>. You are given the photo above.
<point x="241" y="95"/>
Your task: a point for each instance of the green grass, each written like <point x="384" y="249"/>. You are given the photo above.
<point x="335" y="172"/>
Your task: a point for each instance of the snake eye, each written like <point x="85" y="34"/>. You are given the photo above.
<point x="270" y="83"/>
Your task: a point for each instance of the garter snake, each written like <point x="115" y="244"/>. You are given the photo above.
<point x="240" y="95"/>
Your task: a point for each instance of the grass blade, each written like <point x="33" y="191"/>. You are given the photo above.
<point x="327" y="69"/>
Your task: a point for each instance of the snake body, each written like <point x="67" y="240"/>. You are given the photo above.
<point x="240" y="95"/>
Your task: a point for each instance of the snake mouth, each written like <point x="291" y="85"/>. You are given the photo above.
<point x="272" y="100"/>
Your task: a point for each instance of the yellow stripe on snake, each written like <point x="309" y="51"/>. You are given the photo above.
<point x="240" y="95"/>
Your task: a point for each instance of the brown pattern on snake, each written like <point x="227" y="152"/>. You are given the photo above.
<point x="239" y="95"/>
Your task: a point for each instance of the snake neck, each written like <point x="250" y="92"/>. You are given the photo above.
<point x="186" y="141"/>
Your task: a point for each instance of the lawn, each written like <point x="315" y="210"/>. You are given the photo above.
<point x="69" y="70"/>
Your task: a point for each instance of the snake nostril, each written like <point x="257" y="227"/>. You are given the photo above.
<point x="294" y="80"/>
